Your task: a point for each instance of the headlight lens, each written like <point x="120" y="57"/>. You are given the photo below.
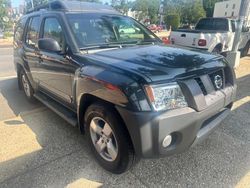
<point x="166" y="97"/>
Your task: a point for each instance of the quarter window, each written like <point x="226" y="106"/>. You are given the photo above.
<point x="52" y="29"/>
<point x="33" y="32"/>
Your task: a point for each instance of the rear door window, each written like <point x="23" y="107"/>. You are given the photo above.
<point x="33" y="32"/>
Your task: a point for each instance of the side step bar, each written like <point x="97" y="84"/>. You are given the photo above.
<point x="59" y="109"/>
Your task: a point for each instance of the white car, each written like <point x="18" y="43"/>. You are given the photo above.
<point x="212" y="34"/>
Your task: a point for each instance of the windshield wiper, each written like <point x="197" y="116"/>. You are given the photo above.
<point x="118" y="44"/>
<point x="101" y="46"/>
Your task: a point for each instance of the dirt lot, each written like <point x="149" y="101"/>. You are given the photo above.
<point x="39" y="149"/>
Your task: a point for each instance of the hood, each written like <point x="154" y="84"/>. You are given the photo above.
<point x="159" y="62"/>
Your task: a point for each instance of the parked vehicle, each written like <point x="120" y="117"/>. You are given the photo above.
<point x="155" y="28"/>
<point x="130" y="94"/>
<point x="213" y="35"/>
<point x="165" y="40"/>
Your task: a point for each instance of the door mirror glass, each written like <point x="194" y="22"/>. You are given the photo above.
<point x="50" y="45"/>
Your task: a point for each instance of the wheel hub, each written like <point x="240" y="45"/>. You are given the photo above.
<point x="103" y="139"/>
<point x="26" y="86"/>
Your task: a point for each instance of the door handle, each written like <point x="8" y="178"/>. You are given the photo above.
<point x="183" y="35"/>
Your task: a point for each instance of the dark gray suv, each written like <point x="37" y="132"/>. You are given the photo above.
<point x="111" y="77"/>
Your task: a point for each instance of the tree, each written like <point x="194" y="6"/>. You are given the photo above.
<point x="147" y="9"/>
<point x="153" y="10"/>
<point x="174" y="6"/>
<point x="209" y="7"/>
<point x="192" y="12"/>
<point x="173" y="21"/>
<point x="141" y="6"/>
<point x="121" y="5"/>
<point x="189" y="11"/>
<point x="4" y="14"/>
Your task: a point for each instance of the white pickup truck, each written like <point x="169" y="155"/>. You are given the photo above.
<point x="212" y="34"/>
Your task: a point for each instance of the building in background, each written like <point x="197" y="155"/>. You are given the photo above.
<point x="230" y="9"/>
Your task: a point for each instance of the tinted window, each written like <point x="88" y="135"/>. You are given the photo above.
<point x="19" y="30"/>
<point x="52" y="29"/>
<point x="213" y="24"/>
<point x="33" y="32"/>
<point x="233" y="23"/>
<point x="94" y="29"/>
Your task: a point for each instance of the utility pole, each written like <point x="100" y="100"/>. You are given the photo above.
<point x="233" y="57"/>
<point x="32" y="3"/>
<point x="161" y="12"/>
<point x="242" y="16"/>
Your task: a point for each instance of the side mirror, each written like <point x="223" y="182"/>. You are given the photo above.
<point x="50" y="45"/>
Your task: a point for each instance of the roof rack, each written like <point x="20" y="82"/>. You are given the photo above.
<point x="76" y="6"/>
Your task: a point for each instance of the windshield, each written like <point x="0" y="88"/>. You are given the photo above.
<point x="212" y="24"/>
<point x="93" y="30"/>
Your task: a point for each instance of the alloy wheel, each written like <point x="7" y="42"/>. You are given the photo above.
<point x="103" y="139"/>
<point x="26" y="86"/>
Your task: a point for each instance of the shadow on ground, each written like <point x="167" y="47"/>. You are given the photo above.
<point x="63" y="156"/>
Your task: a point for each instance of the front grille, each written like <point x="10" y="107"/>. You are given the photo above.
<point x="200" y="90"/>
<point x="218" y="79"/>
<point x="216" y="82"/>
<point x="200" y="83"/>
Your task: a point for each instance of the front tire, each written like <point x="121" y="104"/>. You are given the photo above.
<point x="108" y="138"/>
<point x="26" y="86"/>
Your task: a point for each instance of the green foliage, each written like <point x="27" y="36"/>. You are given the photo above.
<point x="153" y="10"/>
<point x="173" y="20"/>
<point x="4" y="4"/>
<point x="141" y="6"/>
<point x="147" y="9"/>
<point x="192" y="12"/>
<point x="121" y="5"/>
<point x="7" y="35"/>
<point x="209" y="7"/>
<point x="189" y="11"/>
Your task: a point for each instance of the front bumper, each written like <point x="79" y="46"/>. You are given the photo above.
<point x="187" y="126"/>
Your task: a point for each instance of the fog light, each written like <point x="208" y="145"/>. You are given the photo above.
<point x="167" y="141"/>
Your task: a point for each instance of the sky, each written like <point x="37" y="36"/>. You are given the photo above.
<point x="16" y="3"/>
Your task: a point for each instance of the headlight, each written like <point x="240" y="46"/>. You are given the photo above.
<point x="166" y="97"/>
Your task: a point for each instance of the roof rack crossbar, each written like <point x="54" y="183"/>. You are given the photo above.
<point x="54" y="5"/>
<point x="77" y="6"/>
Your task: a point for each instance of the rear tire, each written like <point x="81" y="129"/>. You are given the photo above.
<point x="217" y="50"/>
<point x="26" y="86"/>
<point x="108" y="138"/>
<point x="245" y="50"/>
